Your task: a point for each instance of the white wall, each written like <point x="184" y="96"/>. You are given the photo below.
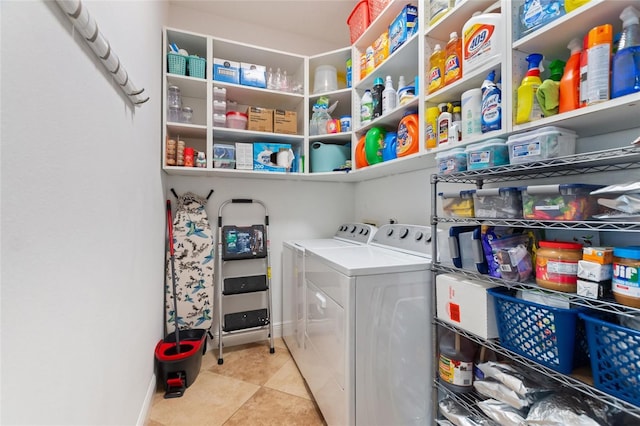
<point x="236" y="30"/>
<point x="82" y="216"/>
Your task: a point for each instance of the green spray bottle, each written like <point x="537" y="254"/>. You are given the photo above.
<point x="527" y="108"/>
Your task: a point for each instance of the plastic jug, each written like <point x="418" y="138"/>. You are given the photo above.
<point x="455" y="366"/>
<point x="366" y="107"/>
<point x="528" y="108"/>
<point x="373" y="143"/>
<point x="453" y="59"/>
<point x="482" y="39"/>
<point x="408" y="138"/>
<point x="570" y="81"/>
<point x="436" y="69"/>
<point x="361" y="157"/>
<point x="390" y="146"/>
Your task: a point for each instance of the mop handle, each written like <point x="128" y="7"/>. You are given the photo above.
<point x="170" y="225"/>
<point x="173" y="275"/>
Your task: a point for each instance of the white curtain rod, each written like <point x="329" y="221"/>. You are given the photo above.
<point x="86" y="25"/>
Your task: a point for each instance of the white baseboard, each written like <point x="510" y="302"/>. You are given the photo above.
<point x="146" y="405"/>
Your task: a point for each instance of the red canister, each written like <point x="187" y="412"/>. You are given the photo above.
<point x="557" y="265"/>
<point x="188" y="157"/>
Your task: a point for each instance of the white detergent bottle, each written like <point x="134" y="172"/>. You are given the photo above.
<point x="389" y="96"/>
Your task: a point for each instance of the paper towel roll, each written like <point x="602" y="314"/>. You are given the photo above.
<point x="471" y="103"/>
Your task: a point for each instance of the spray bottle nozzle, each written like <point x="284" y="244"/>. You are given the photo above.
<point x="534" y="60"/>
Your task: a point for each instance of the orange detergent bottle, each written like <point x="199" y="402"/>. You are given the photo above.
<point x="570" y="81"/>
<point x="453" y="59"/>
<point x="408" y="138"/>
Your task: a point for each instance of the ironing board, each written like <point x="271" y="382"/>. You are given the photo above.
<point x="194" y="265"/>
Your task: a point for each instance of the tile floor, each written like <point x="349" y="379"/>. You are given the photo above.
<point x="252" y="387"/>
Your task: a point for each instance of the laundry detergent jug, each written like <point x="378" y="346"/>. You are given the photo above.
<point x="482" y="39"/>
<point x="373" y="143"/>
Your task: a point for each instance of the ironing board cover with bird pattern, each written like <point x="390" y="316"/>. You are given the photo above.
<point x="194" y="262"/>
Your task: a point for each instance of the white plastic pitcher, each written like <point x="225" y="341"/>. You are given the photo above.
<point x="325" y="79"/>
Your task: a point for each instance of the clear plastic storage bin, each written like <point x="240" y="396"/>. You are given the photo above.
<point x="541" y="144"/>
<point x="503" y="203"/>
<point x="451" y="161"/>
<point x="559" y="202"/>
<point x="490" y="153"/>
<point x="457" y="203"/>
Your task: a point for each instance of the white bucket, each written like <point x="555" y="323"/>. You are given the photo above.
<point x="325" y="79"/>
<point x="471" y="105"/>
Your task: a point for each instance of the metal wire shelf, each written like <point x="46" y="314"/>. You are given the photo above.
<point x="564" y="380"/>
<point x="591" y="162"/>
<point x="594" y="225"/>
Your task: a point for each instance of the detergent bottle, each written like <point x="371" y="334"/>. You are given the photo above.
<point x="436" y="69"/>
<point x="366" y="107"/>
<point x="527" y="108"/>
<point x="570" y="5"/>
<point x="599" y="45"/>
<point x="431" y="127"/>
<point x="490" y="104"/>
<point x="389" y="96"/>
<point x="584" y="67"/>
<point x="570" y="81"/>
<point x="625" y="71"/>
<point x="453" y="59"/>
<point x="444" y="124"/>
<point x="407" y="141"/>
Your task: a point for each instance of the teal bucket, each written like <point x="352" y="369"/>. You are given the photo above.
<point x="327" y="157"/>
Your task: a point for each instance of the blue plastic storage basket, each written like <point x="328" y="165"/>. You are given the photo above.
<point x="615" y="358"/>
<point x="177" y="63"/>
<point x="544" y="334"/>
<point x="196" y="66"/>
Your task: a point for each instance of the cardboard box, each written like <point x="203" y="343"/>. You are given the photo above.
<point x="224" y="156"/>
<point x="267" y="156"/>
<point x="253" y="75"/>
<point x="466" y="304"/>
<point x="285" y="122"/>
<point x="403" y="27"/>
<point x="594" y="290"/>
<point x="601" y="255"/>
<point x="592" y="271"/>
<point x="244" y="156"/>
<point x="260" y="119"/>
<point x="224" y="70"/>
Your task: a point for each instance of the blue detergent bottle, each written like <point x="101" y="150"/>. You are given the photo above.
<point x="625" y="68"/>
<point x="491" y="104"/>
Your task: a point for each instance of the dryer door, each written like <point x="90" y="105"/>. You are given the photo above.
<point x="393" y="349"/>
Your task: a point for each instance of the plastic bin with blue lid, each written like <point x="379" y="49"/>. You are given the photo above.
<point x="490" y="153"/>
<point x="502" y="203"/>
<point x="465" y="248"/>
<point x="457" y="203"/>
<point x="451" y="161"/>
<point x="548" y="335"/>
<point x="541" y="144"/>
<point x="569" y="201"/>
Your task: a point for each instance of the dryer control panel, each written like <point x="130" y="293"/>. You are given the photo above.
<point x="413" y="239"/>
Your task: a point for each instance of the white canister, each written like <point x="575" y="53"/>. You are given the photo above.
<point x="471" y="103"/>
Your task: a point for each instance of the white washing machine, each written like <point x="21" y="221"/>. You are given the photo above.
<point x="368" y="330"/>
<point x="293" y="298"/>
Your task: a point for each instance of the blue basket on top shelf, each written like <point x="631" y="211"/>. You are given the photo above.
<point x="615" y="358"/>
<point x="196" y="66"/>
<point x="177" y="63"/>
<point x="553" y="337"/>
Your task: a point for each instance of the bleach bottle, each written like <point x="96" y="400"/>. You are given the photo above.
<point x="491" y="105"/>
<point x="527" y="108"/>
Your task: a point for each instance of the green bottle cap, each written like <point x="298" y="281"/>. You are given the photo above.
<point x="556" y="68"/>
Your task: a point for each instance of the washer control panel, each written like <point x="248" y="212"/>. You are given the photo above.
<point x="356" y="232"/>
<point x="415" y="239"/>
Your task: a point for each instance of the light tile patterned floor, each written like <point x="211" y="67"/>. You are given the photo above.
<point x="252" y="387"/>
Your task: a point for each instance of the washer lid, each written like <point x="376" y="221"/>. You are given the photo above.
<point x="369" y="260"/>
<point x="319" y="243"/>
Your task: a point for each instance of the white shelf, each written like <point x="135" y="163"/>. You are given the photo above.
<point x="225" y="134"/>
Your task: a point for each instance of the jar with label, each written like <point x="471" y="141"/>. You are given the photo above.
<point x="626" y="283"/>
<point x="455" y="363"/>
<point x="557" y="265"/>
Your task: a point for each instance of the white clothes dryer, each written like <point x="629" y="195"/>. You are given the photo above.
<point x="293" y="297"/>
<point x="368" y="333"/>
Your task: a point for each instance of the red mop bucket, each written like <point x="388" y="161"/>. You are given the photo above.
<point x="179" y="355"/>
